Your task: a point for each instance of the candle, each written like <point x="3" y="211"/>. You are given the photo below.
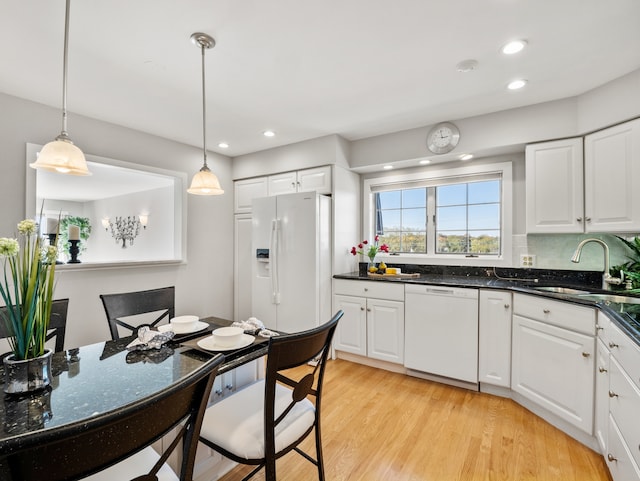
<point x="74" y="232"/>
<point x="52" y="226"/>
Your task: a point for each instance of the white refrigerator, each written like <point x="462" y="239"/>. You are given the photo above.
<point x="291" y="270"/>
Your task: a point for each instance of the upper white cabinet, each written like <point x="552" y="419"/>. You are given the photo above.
<point x="554" y="186"/>
<point x="244" y="191"/>
<point x="611" y="178"/>
<point x="609" y="170"/>
<point x="308" y="180"/>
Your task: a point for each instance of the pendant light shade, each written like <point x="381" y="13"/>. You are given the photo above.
<point x="60" y="155"/>
<point x="204" y="182"/>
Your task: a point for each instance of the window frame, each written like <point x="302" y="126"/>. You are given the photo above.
<point x="446" y="175"/>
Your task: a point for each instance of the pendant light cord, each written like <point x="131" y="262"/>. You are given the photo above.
<point x="204" y="110"/>
<point x="64" y="71"/>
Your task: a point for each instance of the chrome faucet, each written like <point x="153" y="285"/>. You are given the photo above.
<point x="607" y="279"/>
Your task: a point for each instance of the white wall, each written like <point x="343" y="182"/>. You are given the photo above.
<point x="203" y="285"/>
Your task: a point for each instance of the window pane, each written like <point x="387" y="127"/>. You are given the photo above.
<point x="455" y="194"/>
<point x="392" y="239"/>
<point x="450" y="218"/>
<point x="414" y="198"/>
<point x="414" y="219"/>
<point x="415" y="242"/>
<point x="484" y="216"/>
<point x="487" y="242"/>
<point x="390" y="200"/>
<point x="484" y="192"/>
<point x="391" y="220"/>
<point x="453" y="242"/>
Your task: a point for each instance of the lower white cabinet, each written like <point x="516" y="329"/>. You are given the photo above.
<point x="494" y="337"/>
<point x="601" y="422"/>
<point x="619" y="458"/>
<point x="554" y="367"/>
<point x="371" y="326"/>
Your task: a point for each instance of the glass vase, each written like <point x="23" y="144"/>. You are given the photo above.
<point x="27" y="375"/>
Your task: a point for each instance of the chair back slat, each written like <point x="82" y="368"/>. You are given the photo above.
<point x="128" y="304"/>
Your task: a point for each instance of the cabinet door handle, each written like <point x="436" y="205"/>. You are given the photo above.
<point x="219" y="392"/>
<point x="602" y="369"/>
<point x="293" y="184"/>
<point x="546" y="311"/>
<point x="229" y="387"/>
<point x="579" y="219"/>
<point x="598" y="328"/>
<point x="612" y="345"/>
<point x="611" y="457"/>
<point x="612" y="394"/>
<point x="366" y="289"/>
<point x="588" y="219"/>
<point x="507" y="306"/>
<point x="368" y="310"/>
<point x="585" y="354"/>
<point x="362" y="308"/>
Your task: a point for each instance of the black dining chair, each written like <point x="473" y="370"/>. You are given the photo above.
<point x="116" y="445"/>
<point x="127" y="304"/>
<point x="271" y="417"/>
<point x="57" y="323"/>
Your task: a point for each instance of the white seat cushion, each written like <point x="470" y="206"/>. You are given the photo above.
<point x="237" y="422"/>
<point x="134" y="466"/>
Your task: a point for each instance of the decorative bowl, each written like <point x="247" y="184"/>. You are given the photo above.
<point x="227" y="336"/>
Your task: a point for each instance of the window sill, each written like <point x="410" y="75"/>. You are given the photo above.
<point x="451" y="260"/>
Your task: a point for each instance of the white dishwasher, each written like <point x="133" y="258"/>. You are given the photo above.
<point x="441" y="331"/>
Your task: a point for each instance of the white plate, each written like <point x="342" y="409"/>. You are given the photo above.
<point x="169" y="327"/>
<point x="209" y="343"/>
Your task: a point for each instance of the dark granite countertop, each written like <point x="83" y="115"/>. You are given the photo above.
<point x="624" y="315"/>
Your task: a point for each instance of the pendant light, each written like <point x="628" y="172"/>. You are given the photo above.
<point x="60" y="155"/>
<point x="204" y="182"/>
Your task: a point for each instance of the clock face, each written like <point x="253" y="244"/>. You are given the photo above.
<point x="443" y="138"/>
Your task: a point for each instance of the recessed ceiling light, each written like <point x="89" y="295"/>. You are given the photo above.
<point x="223" y="145"/>
<point x="514" y="47"/>
<point x="466" y="157"/>
<point x="424" y="162"/>
<point x="517" y="84"/>
<point x="269" y="133"/>
<point x="388" y="167"/>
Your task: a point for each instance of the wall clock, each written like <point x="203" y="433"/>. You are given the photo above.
<point x="443" y="138"/>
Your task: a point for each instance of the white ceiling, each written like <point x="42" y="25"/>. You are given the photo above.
<point x="305" y="69"/>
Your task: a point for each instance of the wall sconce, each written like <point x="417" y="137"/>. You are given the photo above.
<point x="144" y="220"/>
<point x="105" y="223"/>
<point x="125" y="229"/>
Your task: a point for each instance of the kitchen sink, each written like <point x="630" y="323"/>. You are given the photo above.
<point x="563" y="290"/>
<point x="610" y="298"/>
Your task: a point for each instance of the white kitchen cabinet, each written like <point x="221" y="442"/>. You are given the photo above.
<point x="373" y="320"/>
<point x="554" y="186"/>
<point x="244" y="191"/>
<point x="317" y="179"/>
<point x="494" y="337"/>
<point x="601" y="422"/>
<point x="619" y="458"/>
<point x="554" y="366"/>
<point x="612" y="175"/>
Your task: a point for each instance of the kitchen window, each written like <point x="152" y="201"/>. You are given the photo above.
<point x="459" y="214"/>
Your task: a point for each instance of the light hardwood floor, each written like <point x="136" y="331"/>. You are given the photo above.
<point x="378" y="425"/>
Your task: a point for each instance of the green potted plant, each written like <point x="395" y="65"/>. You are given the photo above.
<point x="27" y="291"/>
<point x="631" y="269"/>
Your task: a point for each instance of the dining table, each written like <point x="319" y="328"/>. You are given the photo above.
<point x="103" y="377"/>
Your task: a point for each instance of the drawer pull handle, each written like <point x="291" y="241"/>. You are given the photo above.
<point x="598" y="328"/>
<point x="507" y="306"/>
<point x="366" y="289"/>
<point x="612" y="345"/>
<point x="602" y="369"/>
<point x="585" y="354"/>
<point x="612" y="394"/>
<point x="611" y="457"/>
<point x="546" y="311"/>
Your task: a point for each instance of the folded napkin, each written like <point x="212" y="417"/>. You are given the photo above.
<point x="254" y="326"/>
<point x="148" y="339"/>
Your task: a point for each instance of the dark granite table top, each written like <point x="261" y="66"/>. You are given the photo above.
<point x="102" y="377"/>
<point x="624" y="315"/>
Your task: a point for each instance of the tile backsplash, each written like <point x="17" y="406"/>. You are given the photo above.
<point x="554" y="251"/>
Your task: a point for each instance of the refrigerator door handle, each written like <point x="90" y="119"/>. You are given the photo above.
<point x="273" y="272"/>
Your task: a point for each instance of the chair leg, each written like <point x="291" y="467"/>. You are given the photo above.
<point x="270" y="470"/>
<point x="319" y="459"/>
